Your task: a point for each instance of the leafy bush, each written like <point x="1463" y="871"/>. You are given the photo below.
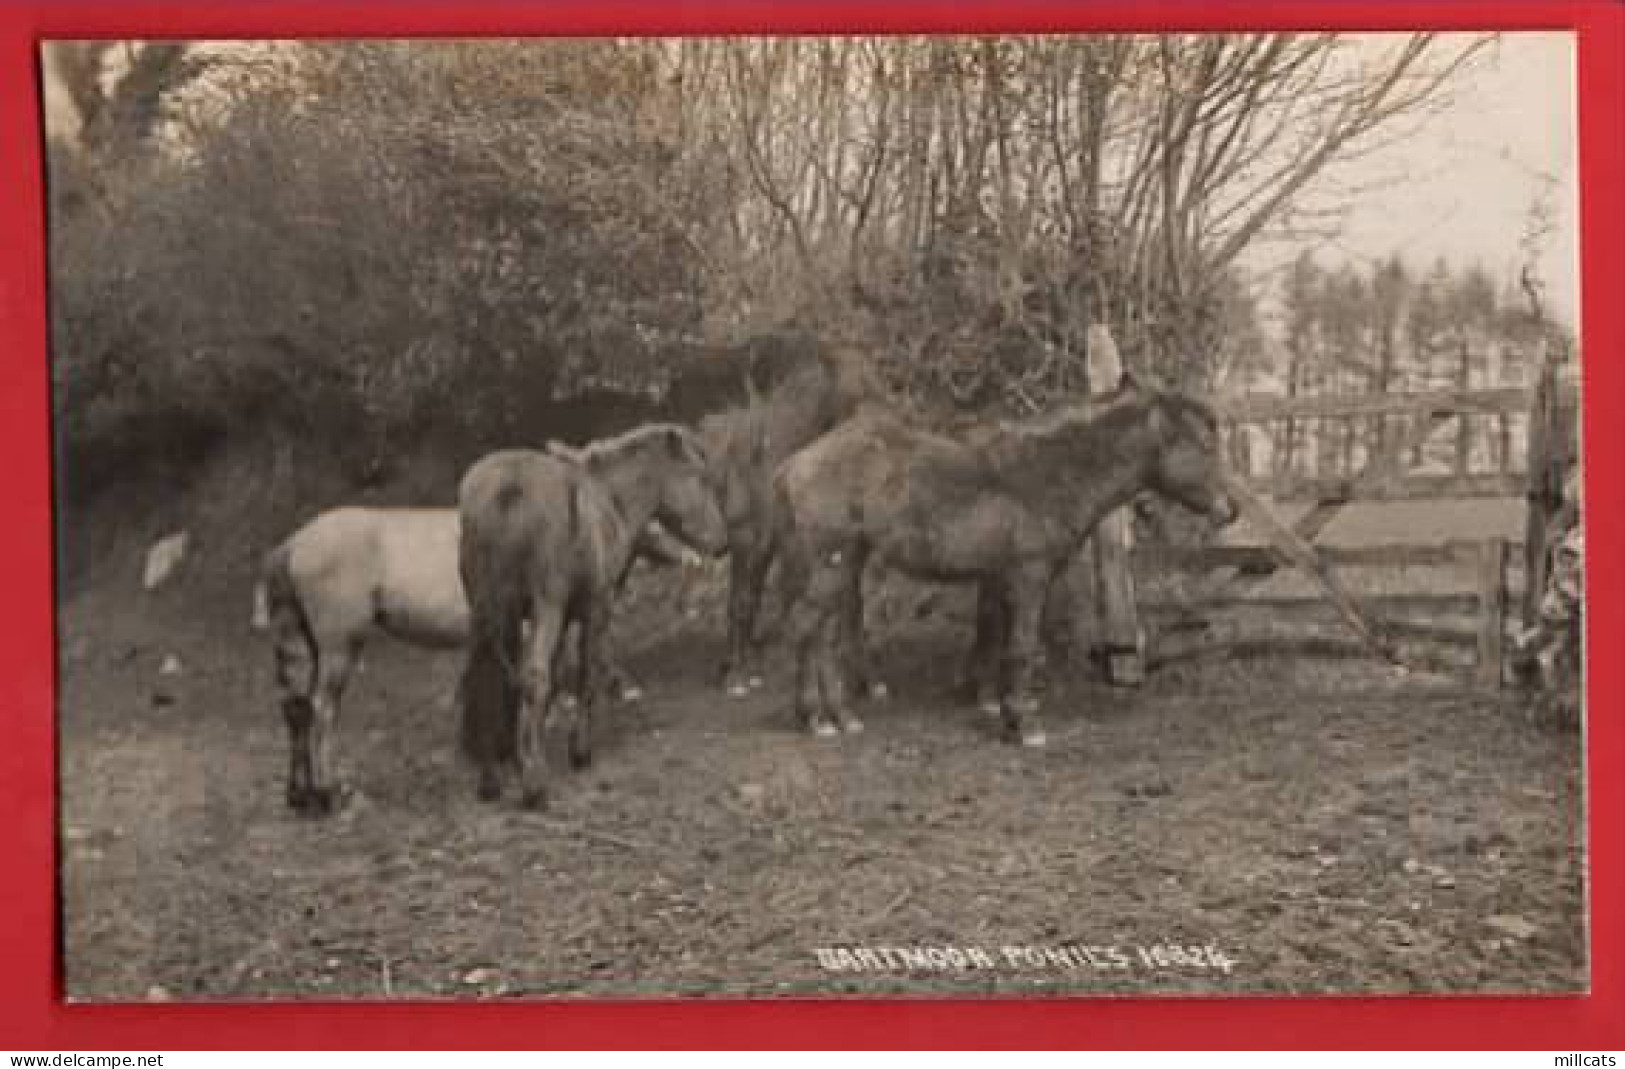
<point x="372" y="243"/>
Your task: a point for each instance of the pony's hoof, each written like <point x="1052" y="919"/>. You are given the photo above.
<point x="533" y="801"/>
<point x="879" y="692"/>
<point x="632" y="694"/>
<point x="852" y="725"/>
<point x="755" y="683"/>
<point x="989" y="707"/>
<point x="489" y="789"/>
<point x="323" y="802"/>
<point x="823" y="729"/>
<point x="738" y="690"/>
<point x="1034" y="738"/>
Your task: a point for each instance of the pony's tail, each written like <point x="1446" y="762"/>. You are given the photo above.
<point x="489" y="694"/>
<point x="488" y="691"/>
<point x="277" y="608"/>
<point x="260" y="620"/>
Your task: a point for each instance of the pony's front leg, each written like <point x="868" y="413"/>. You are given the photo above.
<point x="748" y="566"/>
<point x="983" y="669"/>
<point x="535" y="712"/>
<point x="1021" y="705"/>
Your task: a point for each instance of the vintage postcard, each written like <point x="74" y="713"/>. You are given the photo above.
<point x="1077" y="514"/>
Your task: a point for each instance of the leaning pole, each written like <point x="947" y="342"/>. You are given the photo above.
<point x="1119" y="637"/>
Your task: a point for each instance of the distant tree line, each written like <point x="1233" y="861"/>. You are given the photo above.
<point x="1390" y="329"/>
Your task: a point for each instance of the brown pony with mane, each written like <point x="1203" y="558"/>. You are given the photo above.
<point x="811" y="395"/>
<point x="544" y="543"/>
<point x="1008" y="514"/>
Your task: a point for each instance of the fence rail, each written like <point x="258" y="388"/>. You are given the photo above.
<point x="1487" y="566"/>
<point x="1257" y="408"/>
<point x="1394" y="441"/>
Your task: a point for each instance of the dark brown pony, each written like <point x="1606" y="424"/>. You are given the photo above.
<point x="544" y="543"/>
<point x="811" y="393"/>
<point x="1007" y="514"/>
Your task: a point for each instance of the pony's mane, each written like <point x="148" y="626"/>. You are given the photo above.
<point x="1109" y="410"/>
<point x="734" y="432"/>
<point x="627" y="441"/>
<point x="1185" y="403"/>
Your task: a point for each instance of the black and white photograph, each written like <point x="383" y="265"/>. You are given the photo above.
<point x="818" y="516"/>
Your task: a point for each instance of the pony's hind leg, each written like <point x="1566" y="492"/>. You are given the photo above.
<point x="333" y="665"/>
<point x="821" y="691"/>
<point x="535" y="694"/>
<point x="1025" y="615"/>
<point x="297" y="712"/>
<point x="802" y="627"/>
<point x="857" y="664"/>
<point x="593" y="671"/>
<point x="295" y="669"/>
<point x="833" y="681"/>
<point x="808" y="610"/>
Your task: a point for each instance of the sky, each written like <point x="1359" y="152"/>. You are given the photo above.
<point x="1462" y="185"/>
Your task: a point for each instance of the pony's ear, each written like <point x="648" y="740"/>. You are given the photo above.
<point x="1158" y="419"/>
<point x="681" y="445"/>
<point x="559" y="449"/>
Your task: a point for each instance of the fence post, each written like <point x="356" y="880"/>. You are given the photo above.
<point x="1120" y="634"/>
<point x="1492" y="608"/>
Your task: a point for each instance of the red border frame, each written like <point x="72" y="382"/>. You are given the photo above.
<point x="32" y="1014"/>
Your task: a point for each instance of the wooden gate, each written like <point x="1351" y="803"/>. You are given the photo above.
<point x="1514" y="444"/>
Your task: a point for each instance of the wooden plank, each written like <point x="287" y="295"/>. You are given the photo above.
<point x="1120" y="635"/>
<point x="1205" y="557"/>
<point x="1492" y="594"/>
<point x="1253" y="408"/>
<point x="1433" y="661"/>
<point x="1303" y="554"/>
<point x="1442" y="604"/>
<point x="1408" y="488"/>
<point x="1381" y="474"/>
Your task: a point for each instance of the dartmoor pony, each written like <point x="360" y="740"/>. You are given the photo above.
<point x="345" y="576"/>
<point x="1008" y="514"/>
<point x="545" y="541"/>
<point x="813" y="391"/>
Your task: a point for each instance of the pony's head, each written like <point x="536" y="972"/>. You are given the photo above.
<point x="687" y="504"/>
<point x="1186" y="455"/>
<point x="673" y="473"/>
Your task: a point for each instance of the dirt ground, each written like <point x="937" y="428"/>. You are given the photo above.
<point x="1288" y="825"/>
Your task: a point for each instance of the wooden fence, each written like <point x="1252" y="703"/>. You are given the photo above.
<point x="1403" y="425"/>
<point x="1468" y="608"/>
